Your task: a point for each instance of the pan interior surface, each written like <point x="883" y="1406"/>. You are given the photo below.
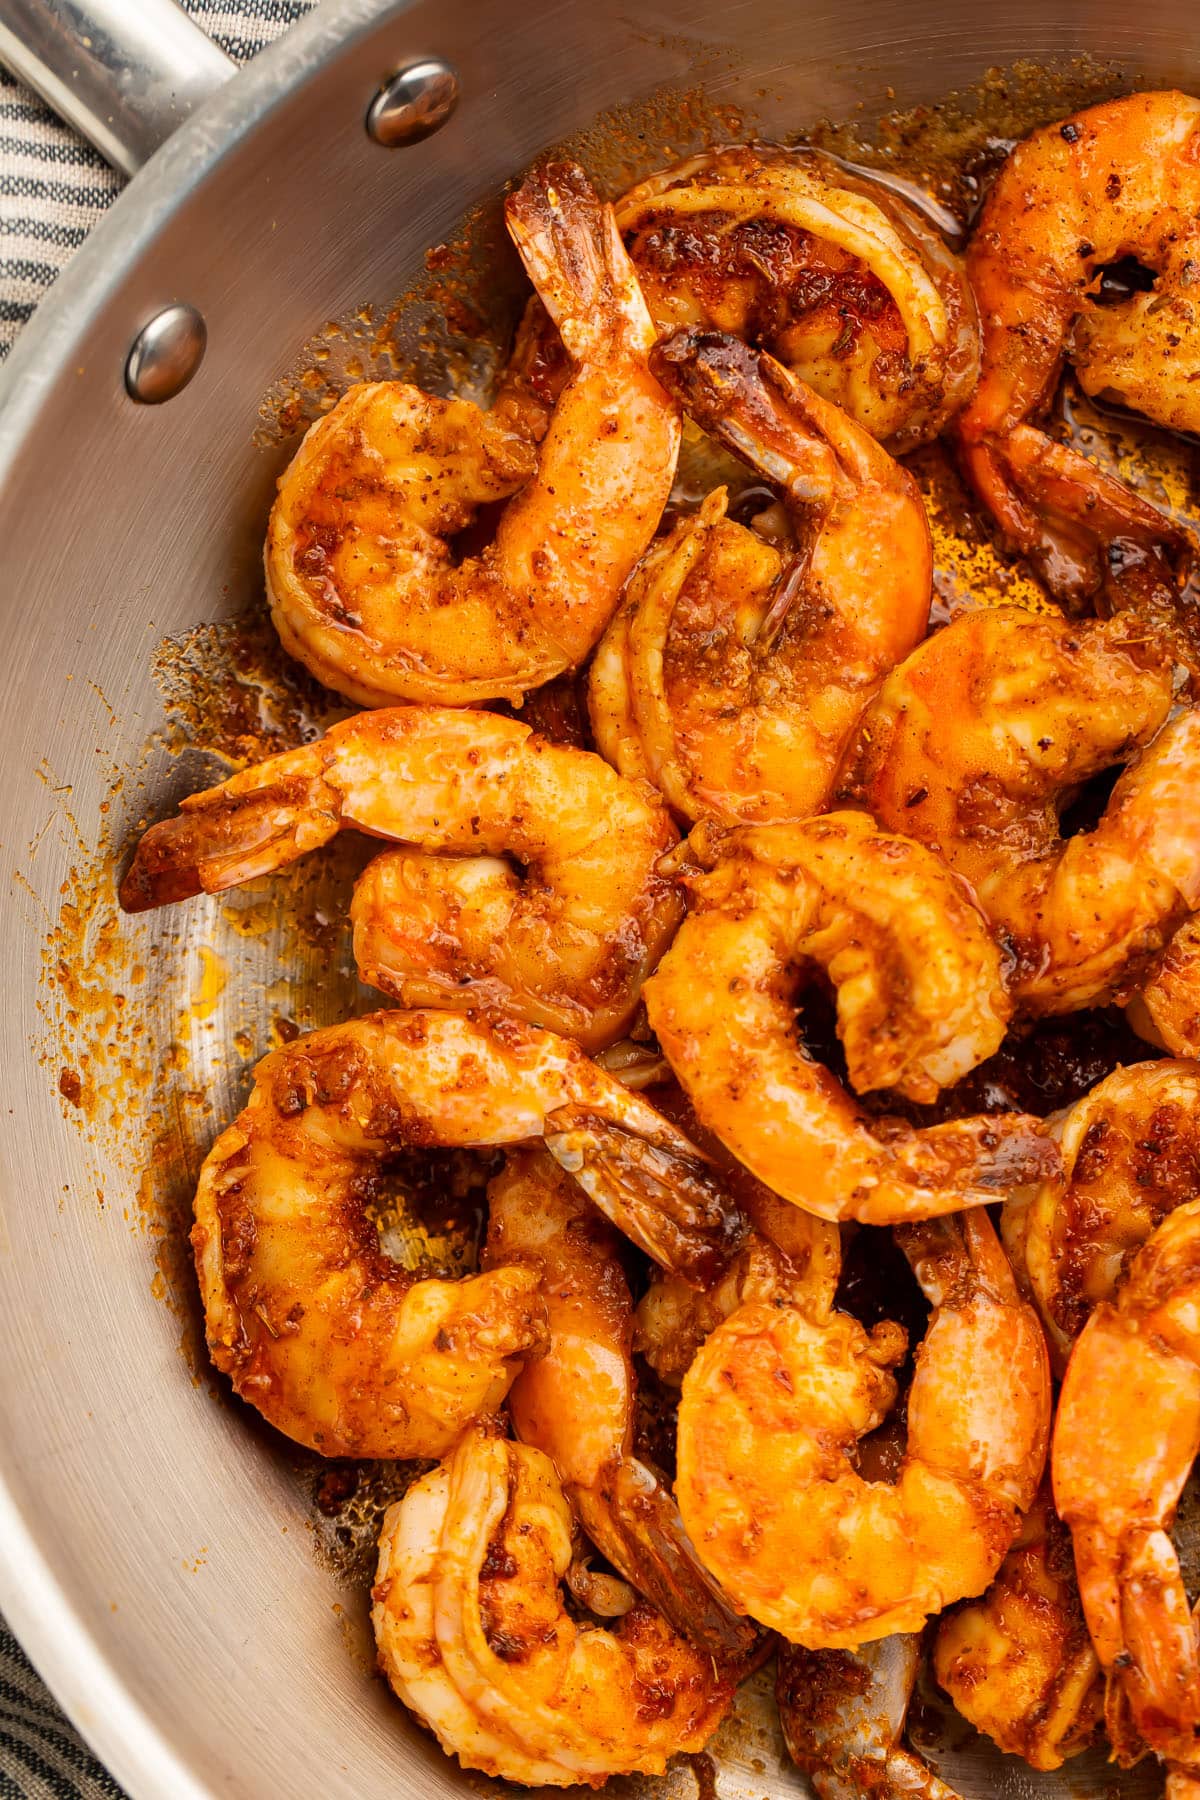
<point x="161" y="1552"/>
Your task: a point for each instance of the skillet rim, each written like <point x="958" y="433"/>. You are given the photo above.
<point x="134" y="1747"/>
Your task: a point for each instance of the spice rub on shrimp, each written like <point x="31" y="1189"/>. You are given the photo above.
<point x="1114" y="182"/>
<point x="832" y="272"/>
<point x="1131" y="1155"/>
<point x="771" y="1411"/>
<point x="363" y="585"/>
<point x="575" y="1401"/>
<point x="336" y="1344"/>
<point x="1018" y="1662"/>
<point x="1166" y="1008"/>
<point x="1126" y="1435"/>
<point x="475" y="1639"/>
<point x="734" y="673"/>
<point x="920" y="1001"/>
<point x="451" y="923"/>
<point x="788" y="1255"/>
<point x="976" y="742"/>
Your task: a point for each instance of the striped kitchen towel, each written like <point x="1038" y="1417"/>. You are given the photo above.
<point x="53" y="188"/>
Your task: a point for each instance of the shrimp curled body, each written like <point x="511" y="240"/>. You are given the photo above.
<point x="773" y="1406"/>
<point x="363" y="586"/>
<point x="975" y="742"/>
<point x="734" y="673"/>
<point x="448" y="923"/>
<point x="1131" y="1160"/>
<point x="473" y="1635"/>
<point x="830" y="271"/>
<point x="1116" y="181"/>
<point x="334" y="1342"/>
<point x="1018" y="1662"/>
<point x="1126" y="1435"/>
<point x="920" y="1001"/>
<point x="1131" y="1155"/>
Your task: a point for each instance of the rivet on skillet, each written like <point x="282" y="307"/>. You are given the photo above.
<point x="165" y="355"/>
<point x="413" y="104"/>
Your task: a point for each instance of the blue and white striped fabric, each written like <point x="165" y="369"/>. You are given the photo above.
<point x="41" y="1756"/>
<point x="53" y="188"/>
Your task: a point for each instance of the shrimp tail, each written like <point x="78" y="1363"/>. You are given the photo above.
<point x="572" y="250"/>
<point x="1087" y="535"/>
<point x="632" y="1518"/>
<point x="992" y="1156"/>
<point x="843" y="1714"/>
<point x="740" y="396"/>
<point x="250" y="826"/>
<point x="776" y="423"/>
<point x="167" y="865"/>
<point x="672" y="1206"/>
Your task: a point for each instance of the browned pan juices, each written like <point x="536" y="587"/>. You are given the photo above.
<point x="153" y="1024"/>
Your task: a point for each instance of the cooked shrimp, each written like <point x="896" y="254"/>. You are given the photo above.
<point x="363" y="585"/>
<point x="576" y="1401"/>
<point x="789" y="1255"/>
<point x="843" y="1713"/>
<point x="1018" y="1663"/>
<point x="336" y="1344"/>
<point x="1127" y="1433"/>
<point x="565" y="945"/>
<point x="474" y="1637"/>
<point x="733" y="675"/>
<point x="828" y="269"/>
<point x="1166" y="1009"/>
<point x="978" y="739"/>
<point x="772" y="1409"/>
<point x="920" y="1001"/>
<point x="1131" y="1155"/>
<point x="1117" y="181"/>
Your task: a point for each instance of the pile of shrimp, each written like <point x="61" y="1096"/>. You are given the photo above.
<point x="745" y="992"/>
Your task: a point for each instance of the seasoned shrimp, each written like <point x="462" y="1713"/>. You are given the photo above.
<point x="1126" y="1435"/>
<point x="920" y="1001"/>
<point x="1166" y="1009"/>
<point x="363" y="585"/>
<point x="843" y="1714"/>
<point x="788" y="1255"/>
<point x="831" y="271"/>
<point x="474" y="1637"/>
<point x="1018" y="1663"/>
<point x="772" y="1409"/>
<point x="1131" y="1155"/>
<point x="973" y="745"/>
<point x="576" y="1401"/>
<point x="336" y="1344"/>
<point x="733" y="675"/>
<point x="1117" y="181"/>
<point x="566" y="945"/>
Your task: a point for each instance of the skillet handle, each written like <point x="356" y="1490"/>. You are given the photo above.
<point x="125" y="73"/>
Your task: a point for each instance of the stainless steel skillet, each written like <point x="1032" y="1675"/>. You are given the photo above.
<point x="154" y="1555"/>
